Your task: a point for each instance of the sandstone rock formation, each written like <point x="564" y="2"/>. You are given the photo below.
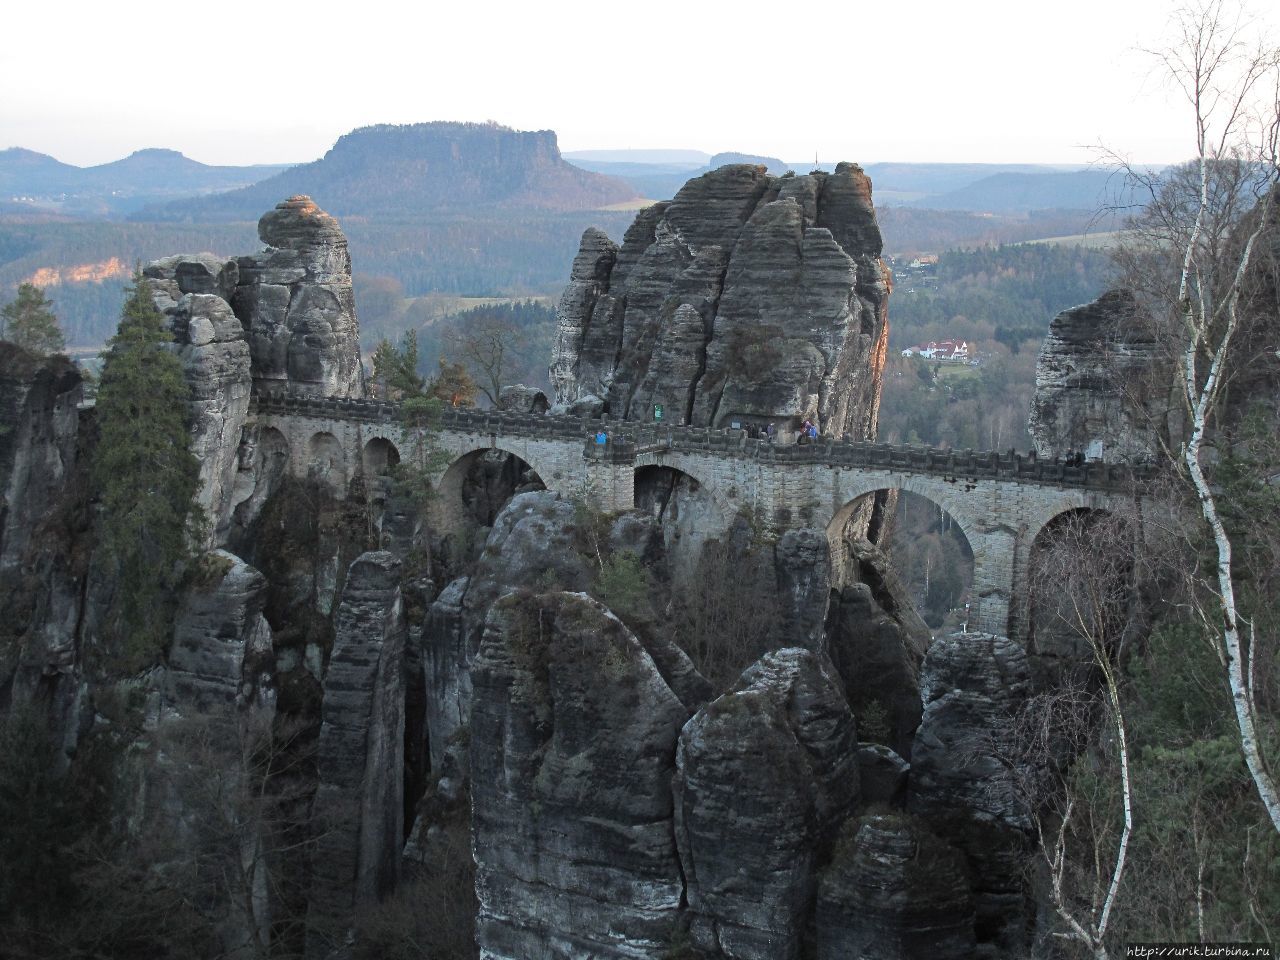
<point x="877" y="642"/>
<point x="358" y="814"/>
<point x="893" y="892"/>
<point x="283" y="317"/>
<point x="573" y="734"/>
<point x="522" y="399"/>
<point x="532" y="543"/>
<point x="219" y="636"/>
<point x="1102" y="383"/>
<point x="882" y="775"/>
<point x="44" y="520"/>
<point x="192" y="291"/>
<point x="803" y="565"/>
<point x="971" y="684"/>
<point x="763" y="774"/>
<point x="39" y="407"/>
<point x="295" y="301"/>
<point x="746" y="296"/>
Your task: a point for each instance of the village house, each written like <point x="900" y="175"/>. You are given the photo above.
<point x="947" y="351"/>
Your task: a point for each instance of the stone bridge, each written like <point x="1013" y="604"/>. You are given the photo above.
<point x="1001" y="501"/>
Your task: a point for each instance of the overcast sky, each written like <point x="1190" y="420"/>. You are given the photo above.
<point x="278" y="81"/>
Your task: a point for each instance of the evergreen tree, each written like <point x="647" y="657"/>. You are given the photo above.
<point x="145" y="476"/>
<point x="29" y="323"/>
<point x="396" y="368"/>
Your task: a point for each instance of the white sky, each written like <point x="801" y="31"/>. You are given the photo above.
<point x="267" y="81"/>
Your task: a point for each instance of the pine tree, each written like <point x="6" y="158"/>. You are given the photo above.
<point x="396" y="368"/>
<point x="29" y="323"/>
<point x="145" y="475"/>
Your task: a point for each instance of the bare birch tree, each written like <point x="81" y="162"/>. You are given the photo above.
<point x="1085" y="570"/>
<point x="1190" y="255"/>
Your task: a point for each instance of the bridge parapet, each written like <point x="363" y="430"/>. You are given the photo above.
<point x="937" y="461"/>
<point x="628" y="439"/>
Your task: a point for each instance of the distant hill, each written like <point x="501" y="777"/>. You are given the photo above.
<point x="1018" y="192"/>
<point x="662" y="179"/>
<point x="994" y="187"/>
<point x="36" y="181"/>
<point x="685" y="159"/>
<point x="934" y="179"/>
<point x="776" y="167"/>
<point x="391" y="173"/>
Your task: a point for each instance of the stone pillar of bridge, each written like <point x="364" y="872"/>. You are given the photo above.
<point x="994" y="555"/>
<point x="610" y="474"/>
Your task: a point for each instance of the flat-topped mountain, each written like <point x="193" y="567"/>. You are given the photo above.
<point x="393" y="172"/>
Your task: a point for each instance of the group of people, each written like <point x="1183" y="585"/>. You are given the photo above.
<point x="757" y="432"/>
<point x="808" y="430"/>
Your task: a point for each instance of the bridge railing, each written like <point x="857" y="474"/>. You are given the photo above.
<point x="627" y="440"/>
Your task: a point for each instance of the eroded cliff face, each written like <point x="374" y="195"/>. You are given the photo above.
<point x="1102" y="384"/>
<point x="358" y="815"/>
<point x="283" y="317"/>
<point x="192" y="292"/>
<point x="44" y="536"/>
<point x="764" y="774"/>
<point x="971" y="685"/>
<point x="295" y="301"/>
<point x="573" y="733"/>
<point x="746" y="297"/>
<point x="39" y="406"/>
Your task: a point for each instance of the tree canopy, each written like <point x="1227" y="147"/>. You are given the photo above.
<point x="145" y="476"/>
<point x="29" y="322"/>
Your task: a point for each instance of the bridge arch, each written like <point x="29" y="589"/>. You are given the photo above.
<point x="930" y="549"/>
<point x="690" y="510"/>
<point x="1077" y="589"/>
<point x="994" y="541"/>
<point x="326" y="460"/>
<point x="379" y="456"/>
<point x="449" y="510"/>
<point x="271" y="453"/>
<point x="723" y="499"/>
<point x="943" y="494"/>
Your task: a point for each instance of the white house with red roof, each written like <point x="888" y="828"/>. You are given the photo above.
<point x="955" y="351"/>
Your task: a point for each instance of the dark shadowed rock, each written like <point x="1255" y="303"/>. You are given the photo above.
<point x="744" y="295"/>
<point x="803" y="566"/>
<point x="763" y="775"/>
<point x="573" y="735"/>
<point x="295" y="301"/>
<point x="39" y="411"/>
<point x="971" y="685"/>
<point x="877" y="641"/>
<point x="522" y="399"/>
<point x="882" y="774"/>
<point x="359" y="813"/>
<point x="218" y="632"/>
<point x="45" y="584"/>
<point x="1102" y="383"/>
<point x="531" y="545"/>
<point x="893" y="891"/>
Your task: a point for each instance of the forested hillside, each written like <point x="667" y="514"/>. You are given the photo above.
<point x="1001" y="300"/>
<point x="516" y="256"/>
